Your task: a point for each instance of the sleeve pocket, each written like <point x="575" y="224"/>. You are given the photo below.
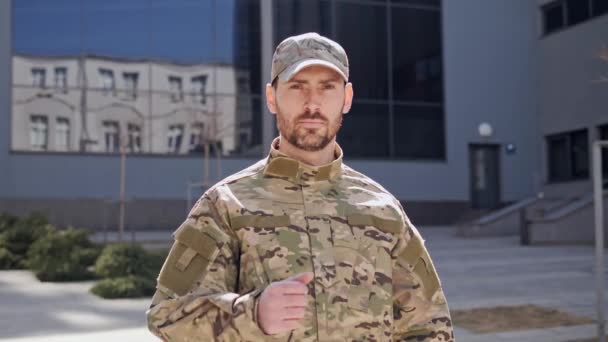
<point x="416" y="258"/>
<point x="192" y="253"/>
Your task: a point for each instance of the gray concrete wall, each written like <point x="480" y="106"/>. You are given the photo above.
<point x="489" y="76"/>
<point x="490" y="67"/>
<point x="570" y="97"/>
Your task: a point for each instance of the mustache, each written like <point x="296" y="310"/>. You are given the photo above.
<point x="312" y="116"/>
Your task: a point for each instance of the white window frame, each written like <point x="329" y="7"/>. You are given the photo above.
<point x="111" y="136"/>
<point x="62" y="134"/>
<point x="176" y="88"/>
<point x="199" y="88"/>
<point x="39" y="77"/>
<point x="134" y="137"/>
<point x="175" y="138"/>
<point x="39" y="132"/>
<point x="130" y="80"/>
<point x="61" y="79"/>
<point x="107" y="81"/>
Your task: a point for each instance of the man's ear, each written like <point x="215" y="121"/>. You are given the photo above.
<point x="271" y="98"/>
<point x="348" y="97"/>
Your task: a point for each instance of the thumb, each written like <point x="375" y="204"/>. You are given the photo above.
<point x="303" y="278"/>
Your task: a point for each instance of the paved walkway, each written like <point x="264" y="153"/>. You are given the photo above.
<point x="487" y="272"/>
<point x="475" y="273"/>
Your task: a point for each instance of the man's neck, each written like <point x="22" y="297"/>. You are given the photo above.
<point x="316" y="158"/>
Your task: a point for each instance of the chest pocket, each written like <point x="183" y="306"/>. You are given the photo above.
<point x="362" y="247"/>
<point x="265" y="256"/>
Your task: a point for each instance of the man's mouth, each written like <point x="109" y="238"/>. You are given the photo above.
<point x="307" y="123"/>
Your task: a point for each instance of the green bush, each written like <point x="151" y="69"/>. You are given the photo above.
<point x="124" y="287"/>
<point x="63" y="255"/>
<point x="121" y="260"/>
<point x="8" y="260"/>
<point x="7" y="221"/>
<point x="18" y="237"/>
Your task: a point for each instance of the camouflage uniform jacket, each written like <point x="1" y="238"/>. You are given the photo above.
<point x="374" y="280"/>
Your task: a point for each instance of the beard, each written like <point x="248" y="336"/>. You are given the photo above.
<point x="308" y="139"/>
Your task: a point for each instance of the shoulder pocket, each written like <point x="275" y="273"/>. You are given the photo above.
<point x="192" y="253"/>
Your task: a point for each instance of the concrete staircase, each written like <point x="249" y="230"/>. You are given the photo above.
<point x="571" y="223"/>
<point x="501" y="222"/>
<point x="539" y="220"/>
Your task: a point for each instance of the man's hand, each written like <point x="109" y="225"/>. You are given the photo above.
<point x="283" y="303"/>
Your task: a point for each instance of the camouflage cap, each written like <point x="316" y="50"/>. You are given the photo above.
<point x="298" y="52"/>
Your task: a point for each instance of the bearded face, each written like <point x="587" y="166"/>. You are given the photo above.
<point x="309" y="131"/>
<point x="309" y="107"/>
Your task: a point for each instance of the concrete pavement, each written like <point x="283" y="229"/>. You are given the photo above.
<point x="481" y="272"/>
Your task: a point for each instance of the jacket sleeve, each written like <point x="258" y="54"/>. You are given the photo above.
<point x="196" y="297"/>
<point x="420" y="309"/>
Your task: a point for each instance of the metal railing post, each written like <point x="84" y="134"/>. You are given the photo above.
<point x="598" y="201"/>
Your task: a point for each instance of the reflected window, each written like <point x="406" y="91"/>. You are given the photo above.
<point x="134" y="136"/>
<point x="111" y="136"/>
<point x="293" y="17"/>
<point x="61" y="79"/>
<point x="62" y="134"/>
<point x="364" y="131"/>
<point x="39" y="77"/>
<point x="172" y="43"/>
<point x="39" y="131"/>
<point x="176" y="88"/>
<point x="242" y="85"/>
<point x="108" y="84"/>
<point x="130" y="79"/>
<point x="199" y="83"/>
<point x="417" y="70"/>
<point x="367" y="46"/>
<point x="196" y="137"/>
<point x="419" y="132"/>
<point x="175" y="136"/>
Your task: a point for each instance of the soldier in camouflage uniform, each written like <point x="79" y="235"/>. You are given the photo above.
<point x="299" y="246"/>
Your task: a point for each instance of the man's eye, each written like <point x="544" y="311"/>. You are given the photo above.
<point x="295" y="86"/>
<point x="329" y="86"/>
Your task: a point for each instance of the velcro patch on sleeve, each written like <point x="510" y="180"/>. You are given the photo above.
<point x="192" y="253"/>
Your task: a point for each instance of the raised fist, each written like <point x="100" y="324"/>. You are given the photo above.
<point x="282" y="305"/>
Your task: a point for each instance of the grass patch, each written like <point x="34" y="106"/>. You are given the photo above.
<point x="513" y="318"/>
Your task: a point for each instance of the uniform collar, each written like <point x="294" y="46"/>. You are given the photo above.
<point x="281" y="165"/>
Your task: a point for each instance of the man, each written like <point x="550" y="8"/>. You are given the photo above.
<point x="300" y="247"/>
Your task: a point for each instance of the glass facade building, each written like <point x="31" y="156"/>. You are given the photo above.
<point x="177" y="76"/>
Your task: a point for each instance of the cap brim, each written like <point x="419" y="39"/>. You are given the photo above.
<point x="293" y="69"/>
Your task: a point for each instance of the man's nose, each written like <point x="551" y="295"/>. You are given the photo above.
<point x="313" y="101"/>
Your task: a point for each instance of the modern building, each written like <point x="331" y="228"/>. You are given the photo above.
<point x="573" y="107"/>
<point x="456" y="102"/>
<point x="571" y="82"/>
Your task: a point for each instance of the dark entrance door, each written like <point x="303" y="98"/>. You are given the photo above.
<point x="485" y="177"/>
